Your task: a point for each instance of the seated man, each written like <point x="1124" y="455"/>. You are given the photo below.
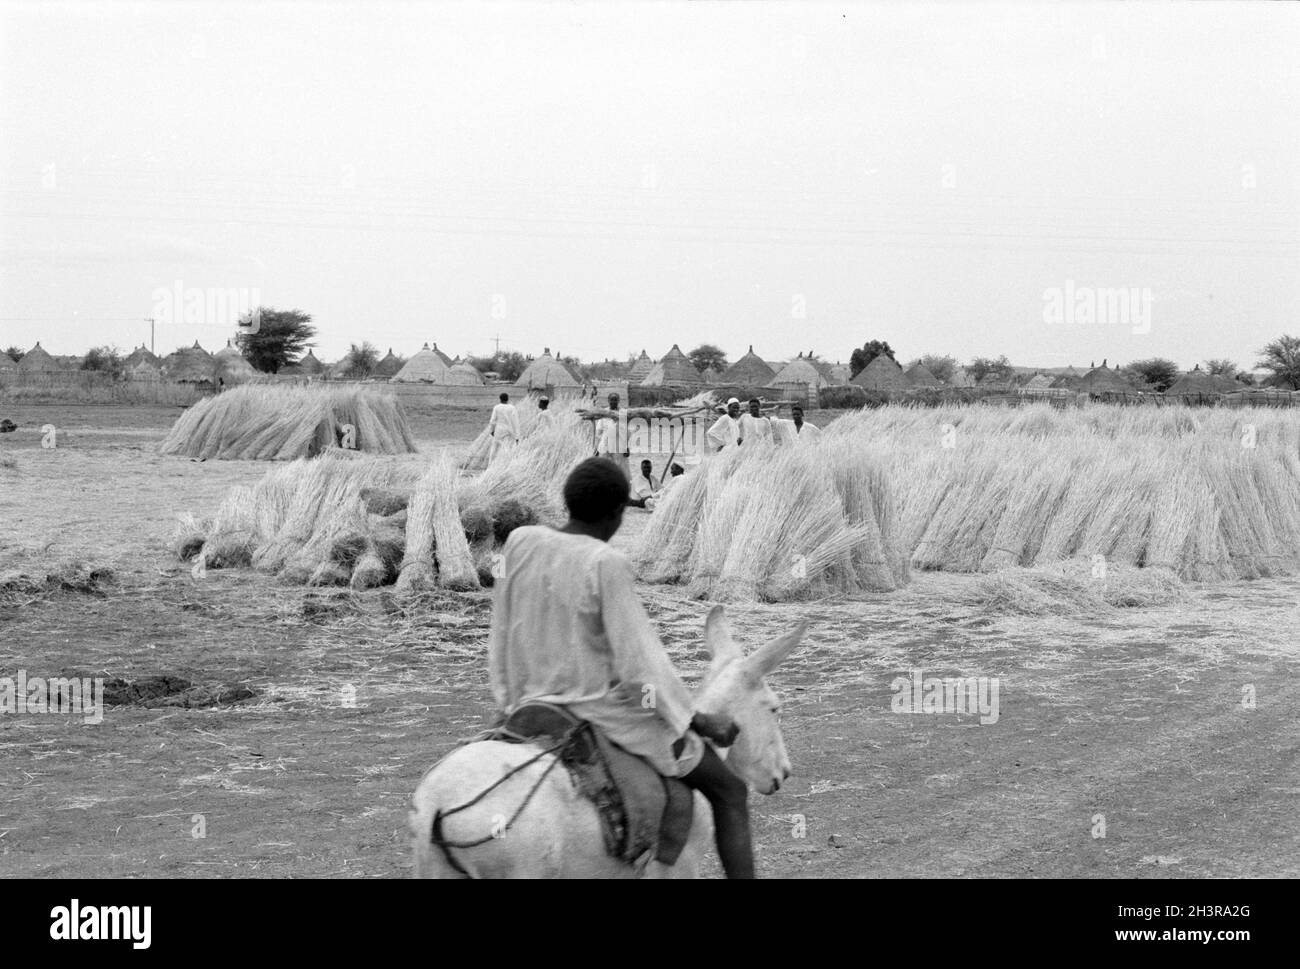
<point x="567" y="628"/>
<point x="644" y="490"/>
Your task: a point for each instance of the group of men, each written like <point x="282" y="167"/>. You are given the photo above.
<point x="734" y="429"/>
<point x="504" y="428"/>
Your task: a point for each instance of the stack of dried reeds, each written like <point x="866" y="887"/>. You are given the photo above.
<point x="265" y="422"/>
<point x="1214" y="495"/>
<point x="352" y="519"/>
<point x="775" y="524"/>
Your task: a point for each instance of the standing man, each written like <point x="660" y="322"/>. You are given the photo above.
<point x="608" y="445"/>
<point x="503" y="427"/>
<point x="725" y="431"/>
<point x="754" y="427"/>
<point x="545" y="416"/>
<point x="797" y="430"/>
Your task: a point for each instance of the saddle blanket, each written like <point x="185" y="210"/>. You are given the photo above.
<point x="641" y="811"/>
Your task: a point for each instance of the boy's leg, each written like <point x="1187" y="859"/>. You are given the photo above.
<point x="728" y="796"/>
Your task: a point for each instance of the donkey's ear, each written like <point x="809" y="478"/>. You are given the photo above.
<point x="717" y="637"/>
<point x="769" y="656"/>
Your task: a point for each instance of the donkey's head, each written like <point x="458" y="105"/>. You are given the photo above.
<point x="734" y="687"/>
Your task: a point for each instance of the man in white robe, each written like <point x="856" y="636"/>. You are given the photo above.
<point x="725" y="431"/>
<point x="567" y="628"/>
<point x="796" y="430"/>
<point x="503" y="427"/>
<point x="754" y="428"/>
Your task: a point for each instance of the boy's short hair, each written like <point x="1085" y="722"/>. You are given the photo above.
<point x="595" y="490"/>
<point x="505" y="398"/>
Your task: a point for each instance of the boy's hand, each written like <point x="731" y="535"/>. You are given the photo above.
<point x="721" y="730"/>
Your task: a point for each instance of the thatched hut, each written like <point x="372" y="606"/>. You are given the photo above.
<point x="919" y="375"/>
<point x="37" y="360"/>
<point x="799" y="378"/>
<point x="231" y="367"/>
<point x="547" y="373"/>
<point x="882" y="374"/>
<point x="749" y="371"/>
<point x="427" y="367"/>
<point x="467" y="371"/>
<point x="145" y="370"/>
<point x="441" y="356"/>
<point x="1197" y="382"/>
<point x="674" y="371"/>
<point x="961" y="378"/>
<point x="1102" y="380"/>
<point x="1039" y="381"/>
<point x="307" y="366"/>
<point x="838" y="374"/>
<point x="139" y="355"/>
<point x="190" y="365"/>
<point x="641" y="366"/>
<point x="387" y="367"/>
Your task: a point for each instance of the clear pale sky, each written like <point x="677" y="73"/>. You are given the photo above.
<point x="599" y="179"/>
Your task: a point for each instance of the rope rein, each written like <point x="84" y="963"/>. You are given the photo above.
<point x="435" y="835"/>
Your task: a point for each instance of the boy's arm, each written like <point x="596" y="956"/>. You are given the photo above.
<point x="639" y="656"/>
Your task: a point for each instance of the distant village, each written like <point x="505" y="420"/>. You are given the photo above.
<point x="675" y="374"/>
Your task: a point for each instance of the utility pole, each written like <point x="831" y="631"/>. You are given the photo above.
<point x="497" y="340"/>
<point x="150" y="322"/>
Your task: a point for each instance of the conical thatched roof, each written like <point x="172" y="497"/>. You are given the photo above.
<point x="1039" y="381"/>
<point x="144" y="370"/>
<point x="919" y="375"/>
<point x="545" y="372"/>
<point x="37" y="360"/>
<point x="441" y="356"/>
<point x="1198" y="381"/>
<point x="140" y="354"/>
<point x="389" y="366"/>
<point x="308" y="365"/>
<point x="674" y="370"/>
<point x="641" y="366"/>
<point x="838" y="374"/>
<point x="230" y="365"/>
<point x="1101" y="380"/>
<point x="799" y="372"/>
<point x="468" y="370"/>
<point x="427" y="366"/>
<point x="749" y="371"/>
<point x="190" y="365"/>
<point x="882" y="374"/>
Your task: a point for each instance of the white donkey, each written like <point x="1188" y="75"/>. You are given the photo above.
<point x="558" y="833"/>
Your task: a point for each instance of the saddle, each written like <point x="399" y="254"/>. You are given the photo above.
<point x="641" y="811"/>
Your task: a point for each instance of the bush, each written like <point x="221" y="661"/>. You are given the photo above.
<point x="848" y="396"/>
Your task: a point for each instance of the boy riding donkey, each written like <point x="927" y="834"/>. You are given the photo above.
<point x="568" y="629"/>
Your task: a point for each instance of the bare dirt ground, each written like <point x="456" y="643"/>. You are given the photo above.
<point x="1134" y="716"/>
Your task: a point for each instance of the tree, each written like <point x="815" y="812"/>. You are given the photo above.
<point x="708" y="357"/>
<point x="362" y="361"/>
<point x="859" y="359"/>
<point x="981" y="367"/>
<point x="1158" y="372"/>
<point x="942" y="367"/>
<point x="103" y="359"/>
<point x="15" y="354"/>
<point x="1282" y="356"/>
<point x="281" y="337"/>
<point x="1221" y="368"/>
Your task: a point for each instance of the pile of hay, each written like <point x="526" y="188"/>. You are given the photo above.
<point x="778" y="523"/>
<point x="1215" y="495"/>
<point x="1074" y="587"/>
<point x="347" y="519"/>
<point x="564" y="416"/>
<point x="264" y="422"/>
